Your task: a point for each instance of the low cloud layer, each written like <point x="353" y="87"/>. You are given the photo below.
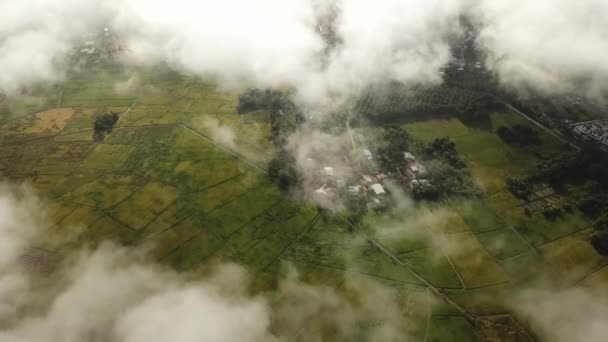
<point x="115" y="294"/>
<point x="561" y="315"/>
<point x="547" y="46"/>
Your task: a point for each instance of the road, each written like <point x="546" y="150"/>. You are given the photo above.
<point x="550" y="131"/>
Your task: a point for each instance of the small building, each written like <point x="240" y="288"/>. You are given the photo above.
<point x="416" y="171"/>
<point x="378" y="189"/>
<point x="328" y="171"/>
<point x="354" y="190"/>
<point x="409" y="157"/>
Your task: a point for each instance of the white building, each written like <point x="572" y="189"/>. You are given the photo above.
<point x="378" y="189"/>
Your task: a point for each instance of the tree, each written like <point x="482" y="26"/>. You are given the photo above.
<point x="478" y="112"/>
<point x="104" y="124"/>
<point x="282" y="170"/>
<point x="396" y="141"/>
<point x="444" y="148"/>
<point x="268" y="99"/>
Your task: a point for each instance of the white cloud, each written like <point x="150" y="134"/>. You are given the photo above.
<point x="115" y="294"/>
<point x="570" y="314"/>
<point x="550" y="46"/>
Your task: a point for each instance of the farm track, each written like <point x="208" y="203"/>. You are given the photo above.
<point x="477" y="319"/>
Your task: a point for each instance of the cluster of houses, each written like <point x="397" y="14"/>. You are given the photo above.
<point x="95" y="49"/>
<point x="596" y="130"/>
<point x="367" y="182"/>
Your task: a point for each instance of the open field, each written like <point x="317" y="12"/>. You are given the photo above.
<point x="163" y="179"/>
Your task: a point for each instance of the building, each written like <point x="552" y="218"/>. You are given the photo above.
<point x="596" y="130"/>
<point x="416" y="171"/>
<point x="354" y="191"/>
<point x="408" y="157"/>
<point x="378" y="189"/>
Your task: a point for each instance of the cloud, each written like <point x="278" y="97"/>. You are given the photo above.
<point x="547" y="46"/>
<point x="570" y="314"/>
<point x="222" y="134"/>
<point x="115" y="293"/>
<point x="36" y="37"/>
<point x="263" y="42"/>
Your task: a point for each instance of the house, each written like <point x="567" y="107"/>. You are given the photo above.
<point x="328" y="171"/>
<point x="408" y="157"/>
<point x="354" y="190"/>
<point x="378" y="189"/>
<point x="416" y="171"/>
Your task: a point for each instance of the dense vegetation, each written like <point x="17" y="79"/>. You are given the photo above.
<point x="104" y="124"/>
<point x="584" y="176"/>
<point x="396" y="140"/>
<point x="271" y="100"/>
<point x="284" y="117"/>
<point x="477" y="113"/>
<point x="448" y="174"/>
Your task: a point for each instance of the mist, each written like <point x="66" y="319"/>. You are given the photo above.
<point x="328" y="50"/>
<point x="548" y="47"/>
<point x="116" y="293"/>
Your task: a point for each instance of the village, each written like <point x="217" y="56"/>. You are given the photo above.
<point x="596" y="130"/>
<point x="361" y="181"/>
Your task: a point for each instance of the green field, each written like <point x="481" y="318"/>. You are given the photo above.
<point x="161" y="179"/>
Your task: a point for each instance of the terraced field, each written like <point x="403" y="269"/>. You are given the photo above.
<point x="163" y="178"/>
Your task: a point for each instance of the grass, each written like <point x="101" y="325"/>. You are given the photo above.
<point x="106" y="157"/>
<point x="526" y="268"/>
<point x="172" y="238"/>
<point x="38" y="99"/>
<point x="573" y="256"/>
<point x="144" y="205"/>
<point x="103" y="193"/>
<point x="478" y="215"/>
<point x="451" y="329"/>
<point x="194" y="251"/>
<point x="476" y="267"/>
<point x="433" y="266"/>
<point x="502" y="243"/>
<point x="538" y="230"/>
<point x="429" y="130"/>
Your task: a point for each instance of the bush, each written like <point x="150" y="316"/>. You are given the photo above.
<point x="444" y="148"/>
<point x="257" y="99"/>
